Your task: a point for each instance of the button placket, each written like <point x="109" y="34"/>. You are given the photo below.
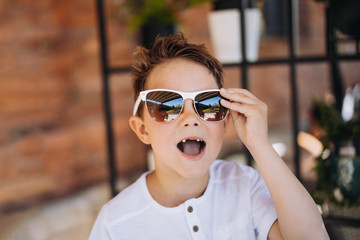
<point x="192" y="220"/>
<point x="190" y="209"/>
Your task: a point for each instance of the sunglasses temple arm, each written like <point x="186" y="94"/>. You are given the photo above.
<point x="136" y="106"/>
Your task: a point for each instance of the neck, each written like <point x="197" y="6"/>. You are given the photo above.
<point x="171" y="191"/>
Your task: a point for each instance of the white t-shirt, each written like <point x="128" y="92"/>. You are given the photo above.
<point x="235" y="205"/>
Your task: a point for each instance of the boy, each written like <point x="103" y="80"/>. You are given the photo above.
<point x="182" y="113"/>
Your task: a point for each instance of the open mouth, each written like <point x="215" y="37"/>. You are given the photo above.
<point x="191" y="147"/>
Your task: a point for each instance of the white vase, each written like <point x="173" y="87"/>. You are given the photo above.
<point x="224" y="26"/>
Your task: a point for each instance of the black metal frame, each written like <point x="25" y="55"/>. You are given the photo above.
<point x="331" y="57"/>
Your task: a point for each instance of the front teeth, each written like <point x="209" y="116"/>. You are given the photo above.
<point x="198" y="140"/>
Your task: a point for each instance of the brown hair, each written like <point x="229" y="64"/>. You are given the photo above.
<point x="165" y="49"/>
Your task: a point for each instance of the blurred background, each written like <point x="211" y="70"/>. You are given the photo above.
<point x="55" y="172"/>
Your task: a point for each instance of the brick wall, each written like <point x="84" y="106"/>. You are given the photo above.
<point x="52" y="133"/>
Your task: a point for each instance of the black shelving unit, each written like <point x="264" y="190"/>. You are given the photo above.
<point x="331" y="57"/>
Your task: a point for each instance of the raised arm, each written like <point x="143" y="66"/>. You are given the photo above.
<point x="298" y="215"/>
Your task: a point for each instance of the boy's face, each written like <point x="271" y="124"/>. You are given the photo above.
<point x="166" y="138"/>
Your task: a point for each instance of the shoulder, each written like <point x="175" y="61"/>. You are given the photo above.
<point x="124" y="208"/>
<point x="127" y="203"/>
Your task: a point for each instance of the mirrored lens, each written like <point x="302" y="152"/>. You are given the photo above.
<point x="164" y="106"/>
<point x="208" y="106"/>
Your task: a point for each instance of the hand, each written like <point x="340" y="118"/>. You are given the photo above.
<point x="249" y="116"/>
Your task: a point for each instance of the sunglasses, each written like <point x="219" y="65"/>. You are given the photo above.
<point x="165" y="105"/>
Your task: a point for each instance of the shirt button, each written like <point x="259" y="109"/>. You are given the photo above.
<point x="195" y="228"/>
<point x="190" y="209"/>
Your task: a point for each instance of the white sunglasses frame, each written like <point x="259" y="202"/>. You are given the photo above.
<point x="184" y="95"/>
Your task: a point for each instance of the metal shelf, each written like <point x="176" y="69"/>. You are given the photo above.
<point x="296" y="60"/>
<point x="265" y="61"/>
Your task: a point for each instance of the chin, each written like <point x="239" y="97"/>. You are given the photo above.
<point x="196" y="171"/>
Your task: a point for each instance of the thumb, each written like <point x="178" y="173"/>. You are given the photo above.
<point x="237" y="118"/>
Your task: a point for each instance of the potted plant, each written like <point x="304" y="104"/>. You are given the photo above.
<point x="225" y="31"/>
<point x="338" y="167"/>
<point x="153" y="17"/>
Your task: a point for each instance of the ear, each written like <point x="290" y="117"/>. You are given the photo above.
<point x="138" y="126"/>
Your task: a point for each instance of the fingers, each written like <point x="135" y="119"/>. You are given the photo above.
<point x="239" y="95"/>
<point x="247" y="110"/>
<point x="235" y="106"/>
<point x="241" y="100"/>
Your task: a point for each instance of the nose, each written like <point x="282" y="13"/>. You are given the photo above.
<point x="189" y="116"/>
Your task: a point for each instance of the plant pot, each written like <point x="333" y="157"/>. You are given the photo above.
<point x="226" y="37"/>
<point x="150" y="32"/>
<point x="226" y="4"/>
<point x="345" y="170"/>
<point x="348" y="176"/>
<point x="346" y="16"/>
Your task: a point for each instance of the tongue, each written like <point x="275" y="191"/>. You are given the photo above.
<point x="191" y="147"/>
